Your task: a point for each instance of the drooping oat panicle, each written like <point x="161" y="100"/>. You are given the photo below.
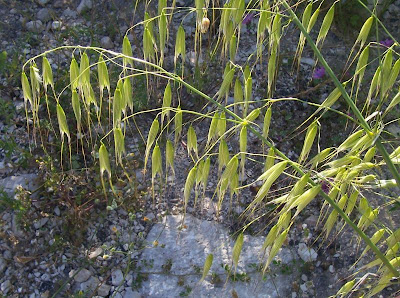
<point x="267" y="122"/>
<point x="127" y="51"/>
<point x="119" y="143"/>
<point x="326" y="25"/>
<point x="347" y="287"/>
<point x="62" y="122"/>
<point x="26" y="89"/>
<point x="243" y="146"/>
<point x="166" y="104"/>
<point x="206" y="172"/>
<point x="394" y="74"/>
<point x="180" y="44"/>
<point x="161" y="5"/>
<point x="148" y="46"/>
<point x="150" y="140"/>
<point x="248" y="94"/>
<point x="156" y="162"/>
<point x="178" y="123"/>
<point x="207" y="265"/>
<point x="190" y="181"/>
<point x="226" y="83"/>
<point x="223" y="154"/>
<point x="370" y="154"/>
<point x="275" y="248"/>
<point x="47" y="73"/>
<point x="303" y="200"/>
<point x="76" y="106"/>
<point x="332" y="218"/>
<point x="264" y="23"/>
<point x="170" y="156"/>
<point x="320" y="157"/>
<point x="361" y="65"/>
<point x="271" y="237"/>
<point x="351" y="203"/>
<point x="213" y="127"/>
<point x="308" y="141"/>
<point x="386" y="70"/>
<point x="191" y="141"/>
<point x="104" y="161"/>
<point x="269" y="177"/>
<point x="74" y="73"/>
<point x="128" y="93"/>
<point x="270" y="160"/>
<point x="351" y="140"/>
<point x="221" y="124"/>
<point x="253" y="115"/>
<point x="233" y="47"/>
<point x="237" y="93"/>
<point x="199" y="12"/>
<point x="375" y="85"/>
<point x="84" y="71"/>
<point x="237" y="249"/>
<point x="163" y="34"/>
<point x="104" y="80"/>
<point x="364" y="32"/>
<point x="375" y="239"/>
<point x="35" y="78"/>
<point x="117" y="108"/>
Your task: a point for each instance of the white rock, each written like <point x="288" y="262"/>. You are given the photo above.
<point x="303" y="287"/>
<point x="45" y="277"/>
<point x="82" y="275"/>
<point x="103" y="290"/>
<point x="40" y="223"/>
<point x="35" y="26"/>
<point x="94" y="254"/>
<point x="56" y="25"/>
<point x="5" y="286"/>
<point x="90" y="285"/>
<point x="44" y="14"/>
<point x="308" y="61"/>
<point x="69" y="13"/>
<point x="57" y="211"/>
<point x="106" y="42"/>
<point x="117" y="277"/>
<point x="3" y="265"/>
<point x="307" y="254"/>
<point x="129" y="293"/>
<point x="84" y="6"/>
<point x="331" y="269"/>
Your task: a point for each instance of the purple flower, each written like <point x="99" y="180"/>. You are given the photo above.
<point x="326" y="186"/>
<point x="319" y="73"/>
<point x="247" y="19"/>
<point x="387" y="42"/>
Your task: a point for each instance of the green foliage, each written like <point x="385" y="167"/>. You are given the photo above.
<point x="336" y="174"/>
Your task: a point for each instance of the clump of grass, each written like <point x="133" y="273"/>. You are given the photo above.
<point x="340" y="177"/>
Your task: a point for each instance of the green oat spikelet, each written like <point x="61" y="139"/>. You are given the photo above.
<point x="308" y="141"/>
<point x="150" y="140"/>
<point x="237" y="249"/>
<point x="47" y="74"/>
<point x="169" y="156"/>
<point x="119" y="143"/>
<point x="127" y="51"/>
<point x="74" y="74"/>
<point x="207" y="266"/>
<point x="191" y="140"/>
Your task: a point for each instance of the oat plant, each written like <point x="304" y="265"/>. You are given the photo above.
<point x="95" y="109"/>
